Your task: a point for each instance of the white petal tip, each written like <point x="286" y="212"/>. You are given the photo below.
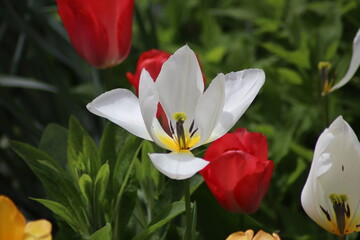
<point x="178" y="166"/>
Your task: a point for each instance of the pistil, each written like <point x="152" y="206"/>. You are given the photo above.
<point x="180" y="118"/>
<point x="341" y="209"/>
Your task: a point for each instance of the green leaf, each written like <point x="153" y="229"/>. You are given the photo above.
<point x="124" y="159"/>
<point x="127" y="205"/>
<point x="195" y="182"/>
<point x="50" y="174"/>
<point x="215" y="54"/>
<point x="83" y="156"/>
<point x="28" y="83"/>
<point x="102" y="234"/>
<point x="289" y="76"/>
<point x="53" y="177"/>
<point x="235" y="13"/>
<point x="101" y="182"/>
<point x="54" y="141"/>
<point x="59" y="210"/>
<point x="64" y="54"/>
<point x="124" y="184"/>
<point x="86" y="187"/>
<point x="167" y="214"/>
<point x="147" y="171"/>
<point x="300" y="57"/>
<point x="302" y="151"/>
<point x="194" y="219"/>
<point x="300" y="168"/>
<point x="108" y="144"/>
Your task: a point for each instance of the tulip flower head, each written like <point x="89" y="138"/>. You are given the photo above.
<point x="152" y="60"/>
<point x="329" y="196"/>
<point x="13" y="225"/>
<point x="100" y="31"/>
<point x="354" y="65"/>
<point x="249" y="235"/>
<point x="195" y="117"/>
<point x="239" y="172"/>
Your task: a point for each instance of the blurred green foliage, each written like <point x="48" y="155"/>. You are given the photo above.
<point x="43" y="81"/>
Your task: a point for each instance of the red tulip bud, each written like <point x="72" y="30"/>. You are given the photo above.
<point x="239" y="172"/>
<point x="100" y="31"/>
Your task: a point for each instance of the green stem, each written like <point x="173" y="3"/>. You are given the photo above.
<point x="344" y="237"/>
<point x="188" y="210"/>
<point x="96" y="80"/>
<point x="325" y="110"/>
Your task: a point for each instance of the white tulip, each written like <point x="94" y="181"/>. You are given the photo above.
<point x="353" y="66"/>
<point x="195" y="117"/>
<point x="331" y="195"/>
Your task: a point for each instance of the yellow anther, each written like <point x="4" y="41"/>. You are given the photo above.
<point x="179" y="116"/>
<point x="338" y="198"/>
<point x="324" y="65"/>
<point x="343" y="197"/>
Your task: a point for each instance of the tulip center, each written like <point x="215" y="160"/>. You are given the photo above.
<point x="339" y="217"/>
<point x="182" y="139"/>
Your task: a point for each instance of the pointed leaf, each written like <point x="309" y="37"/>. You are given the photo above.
<point x="85" y="185"/>
<point x="59" y="210"/>
<point x="81" y="144"/>
<point x="102" y="234"/>
<point x="21" y="82"/>
<point x="108" y="144"/>
<point x="53" y="177"/>
<point x="167" y="214"/>
<point x="124" y="159"/>
<point x="101" y="182"/>
<point x="54" y="141"/>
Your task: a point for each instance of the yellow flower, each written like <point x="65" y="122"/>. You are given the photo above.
<point x="249" y="235"/>
<point x="13" y="224"/>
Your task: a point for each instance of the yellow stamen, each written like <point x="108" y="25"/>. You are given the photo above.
<point x="181" y="139"/>
<point x="322" y="65"/>
<point x="340" y="219"/>
<point x="179" y="116"/>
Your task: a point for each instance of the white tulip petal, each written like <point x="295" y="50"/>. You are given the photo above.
<point x="240" y="90"/>
<point x="354" y="63"/>
<point x="180" y="83"/>
<point x="334" y="170"/>
<point x="149" y="99"/>
<point x="181" y="165"/>
<point x="310" y="199"/>
<point x="122" y="108"/>
<point x="209" y="108"/>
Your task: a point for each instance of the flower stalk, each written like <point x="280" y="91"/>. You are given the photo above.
<point x="189" y="223"/>
<point x="326" y="84"/>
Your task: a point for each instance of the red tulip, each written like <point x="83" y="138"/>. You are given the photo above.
<point x="239" y="172"/>
<point x="100" y="31"/>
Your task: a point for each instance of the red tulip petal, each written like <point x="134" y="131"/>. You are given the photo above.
<point x="254" y="143"/>
<point x="152" y="61"/>
<point x="228" y="142"/>
<point x="223" y="174"/>
<point x="250" y="191"/>
<point x="99" y="31"/>
<point x="124" y="29"/>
